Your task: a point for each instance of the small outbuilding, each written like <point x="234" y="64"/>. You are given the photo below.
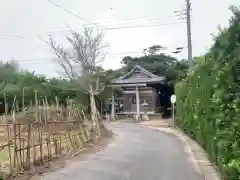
<point x="143" y="92"/>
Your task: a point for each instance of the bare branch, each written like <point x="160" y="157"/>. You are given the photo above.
<point x="80" y="63"/>
<point x="62" y="58"/>
<point x="87" y="48"/>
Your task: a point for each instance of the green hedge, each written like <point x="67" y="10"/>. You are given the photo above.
<point x="208" y="101"/>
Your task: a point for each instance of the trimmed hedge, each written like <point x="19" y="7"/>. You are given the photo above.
<point x="208" y="101"/>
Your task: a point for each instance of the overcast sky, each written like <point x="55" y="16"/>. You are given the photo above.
<point x="24" y="22"/>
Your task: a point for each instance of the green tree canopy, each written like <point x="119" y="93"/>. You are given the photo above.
<point x="157" y="63"/>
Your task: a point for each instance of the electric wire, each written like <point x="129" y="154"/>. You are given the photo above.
<point x="71" y="13"/>
<point x="13" y="36"/>
<point x="111" y="55"/>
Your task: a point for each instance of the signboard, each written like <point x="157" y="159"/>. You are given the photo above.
<point x="173" y="99"/>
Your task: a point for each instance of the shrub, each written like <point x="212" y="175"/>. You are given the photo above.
<point x="208" y="101"/>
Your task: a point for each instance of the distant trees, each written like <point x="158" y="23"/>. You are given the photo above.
<point x="152" y="50"/>
<point x="157" y="63"/>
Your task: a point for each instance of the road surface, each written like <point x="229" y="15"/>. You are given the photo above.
<point x="136" y="153"/>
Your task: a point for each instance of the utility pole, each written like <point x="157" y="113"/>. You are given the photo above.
<point x="189" y="34"/>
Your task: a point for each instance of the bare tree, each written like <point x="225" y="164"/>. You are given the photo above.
<point x="79" y="64"/>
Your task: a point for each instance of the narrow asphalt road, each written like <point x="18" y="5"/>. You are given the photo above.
<point x="137" y="153"/>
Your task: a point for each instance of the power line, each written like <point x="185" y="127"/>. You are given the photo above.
<point x="152" y="20"/>
<point x="71" y="13"/>
<point x="147" y="20"/>
<point x="97" y="24"/>
<point x="162" y="16"/>
<point x="149" y="16"/>
<point x="142" y="26"/>
<point x="106" y="28"/>
<point x="111" y="55"/>
<point x="47" y="59"/>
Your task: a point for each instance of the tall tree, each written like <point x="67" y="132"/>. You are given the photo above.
<point x="159" y="64"/>
<point x="152" y="50"/>
<point x="80" y="64"/>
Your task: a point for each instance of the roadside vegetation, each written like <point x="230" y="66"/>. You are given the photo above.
<point x="208" y="100"/>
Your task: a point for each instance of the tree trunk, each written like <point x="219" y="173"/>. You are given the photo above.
<point x="94" y="113"/>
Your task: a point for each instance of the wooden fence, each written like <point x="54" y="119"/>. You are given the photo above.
<point x="37" y="136"/>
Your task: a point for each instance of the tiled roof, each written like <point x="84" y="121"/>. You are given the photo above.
<point x="127" y="79"/>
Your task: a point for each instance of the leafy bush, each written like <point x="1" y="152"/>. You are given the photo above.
<point x="208" y="101"/>
<point x="18" y="83"/>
